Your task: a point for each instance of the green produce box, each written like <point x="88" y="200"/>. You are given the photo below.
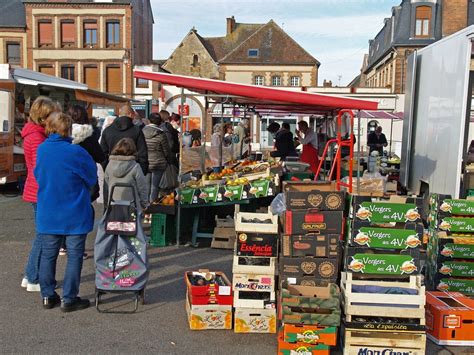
<point x="465" y="286"/>
<point x="162" y="230"/>
<point x="456" y="268"/>
<point x="457" y="224"/>
<point x="388" y="238"/>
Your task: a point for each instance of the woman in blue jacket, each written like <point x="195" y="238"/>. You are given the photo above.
<point x="65" y="175"/>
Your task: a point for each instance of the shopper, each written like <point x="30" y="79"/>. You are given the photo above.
<point x="242" y="137"/>
<point x="33" y="135"/>
<point x="309" y="140"/>
<point x="228" y="134"/>
<point x="123" y="127"/>
<point x="284" y="145"/>
<point x="65" y="173"/>
<point x="159" y="153"/>
<point x="377" y="141"/>
<point x="172" y="135"/>
<point x="124" y="169"/>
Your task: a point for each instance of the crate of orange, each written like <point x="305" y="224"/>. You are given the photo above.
<point x="285" y="348"/>
<point x="205" y="317"/>
<point x="205" y="287"/>
<point x="164" y="205"/>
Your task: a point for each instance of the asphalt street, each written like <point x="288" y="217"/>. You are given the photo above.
<point x="160" y="326"/>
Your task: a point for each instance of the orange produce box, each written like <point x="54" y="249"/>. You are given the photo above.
<point x="291" y="348"/>
<point x="309" y="334"/>
<point x="450" y="318"/>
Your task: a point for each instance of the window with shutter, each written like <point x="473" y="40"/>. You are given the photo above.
<point x="68" y="33"/>
<point x="113" y="82"/>
<point x="13" y="54"/>
<point x="113" y="33"/>
<point x="423" y="21"/>
<point x="91" y="77"/>
<point x="47" y="69"/>
<point x="90" y="34"/>
<point x="45" y="34"/>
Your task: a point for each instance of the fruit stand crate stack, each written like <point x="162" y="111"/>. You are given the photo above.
<point x="451" y="245"/>
<point x="224" y="234"/>
<point x="254" y="266"/>
<point x="208" y="300"/>
<point x="311" y="316"/>
<point x="382" y="290"/>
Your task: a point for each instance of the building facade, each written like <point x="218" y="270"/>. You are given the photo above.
<point x="258" y="54"/>
<point x="96" y="42"/>
<point x="414" y="24"/>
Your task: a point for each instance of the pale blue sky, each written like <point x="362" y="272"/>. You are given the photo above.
<point x="336" y="32"/>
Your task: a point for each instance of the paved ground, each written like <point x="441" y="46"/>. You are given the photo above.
<point x="160" y="326"/>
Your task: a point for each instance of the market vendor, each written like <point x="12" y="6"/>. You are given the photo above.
<point x="309" y="140"/>
<point x="377" y="141"/>
<point x="284" y="146"/>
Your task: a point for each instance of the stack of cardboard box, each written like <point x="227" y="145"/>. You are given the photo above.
<point x="254" y="267"/>
<point x="451" y="245"/>
<point x="383" y="295"/>
<point x="312" y="227"/>
<point x="208" y="300"/>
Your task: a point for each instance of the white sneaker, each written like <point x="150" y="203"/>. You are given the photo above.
<point x="33" y="288"/>
<point x="24" y="282"/>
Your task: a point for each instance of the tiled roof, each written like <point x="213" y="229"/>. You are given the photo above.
<point x="275" y="46"/>
<point x="12" y="14"/>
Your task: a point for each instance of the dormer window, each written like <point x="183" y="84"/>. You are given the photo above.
<point x="253" y="53"/>
<point x="423" y="21"/>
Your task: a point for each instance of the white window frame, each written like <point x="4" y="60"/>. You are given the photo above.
<point x="259" y="80"/>
<point x="276" y="78"/>
<point x="293" y="82"/>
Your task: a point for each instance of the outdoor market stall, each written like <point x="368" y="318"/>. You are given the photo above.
<point x="259" y="99"/>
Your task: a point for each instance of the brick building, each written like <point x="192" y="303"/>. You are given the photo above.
<point x="414" y="24"/>
<point x="260" y="54"/>
<point x="96" y="42"/>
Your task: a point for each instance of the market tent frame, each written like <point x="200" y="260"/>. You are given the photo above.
<point x="259" y="98"/>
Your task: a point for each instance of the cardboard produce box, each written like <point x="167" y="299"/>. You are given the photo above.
<point x="265" y="223"/>
<point x="456" y="268"/>
<point x="248" y="320"/>
<point x="326" y="298"/>
<point x="455" y="247"/>
<point x="290" y="348"/>
<point x="311" y="244"/>
<point x="254" y="291"/>
<point x="254" y="265"/>
<point x="388" y="238"/>
<point x="379" y="262"/>
<point x="210" y="293"/>
<point x="457" y="224"/>
<point x="448" y="207"/>
<point x="311" y="316"/>
<point x="256" y="244"/>
<point x="306" y="280"/>
<point x="304" y="221"/>
<point x="450" y="318"/>
<point x="204" y="317"/>
<point x="309" y="334"/>
<point x="323" y="269"/>
<point x="322" y="200"/>
<point x="449" y="284"/>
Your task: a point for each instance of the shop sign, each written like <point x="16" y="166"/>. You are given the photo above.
<point x="183" y="110"/>
<point x="382" y="212"/>
<point x="387" y="238"/>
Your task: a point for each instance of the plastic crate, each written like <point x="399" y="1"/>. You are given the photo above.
<point x="162" y="230"/>
<point x="299" y="176"/>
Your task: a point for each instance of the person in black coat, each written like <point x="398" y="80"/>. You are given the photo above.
<point x="377" y="141"/>
<point x="284" y="144"/>
<point x="123" y="127"/>
<point x="172" y="134"/>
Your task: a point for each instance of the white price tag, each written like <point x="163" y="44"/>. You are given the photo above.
<point x="224" y="290"/>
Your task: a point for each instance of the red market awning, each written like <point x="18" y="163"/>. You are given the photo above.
<point x="380" y="115"/>
<point x="261" y="97"/>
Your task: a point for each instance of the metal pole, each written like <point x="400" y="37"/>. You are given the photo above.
<point x="391" y="131"/>
<point x="358" y="151"/>
<point x="178" y="215"/>
<point x="222" y="135"/>
<point x="204" y="134"/>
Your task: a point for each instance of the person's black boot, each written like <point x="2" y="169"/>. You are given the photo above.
<point x="75" y="305"/>
<point x="51" y="302"/>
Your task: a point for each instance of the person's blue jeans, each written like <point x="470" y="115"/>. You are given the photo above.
<point x="32" y="265"/>
<point x="154" y="178"/>
<point x="51" y="243"/>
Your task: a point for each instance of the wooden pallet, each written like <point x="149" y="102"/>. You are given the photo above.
<point x="223" y="238"/>
<point x="356" y="342"/>
<point x="382" y="304"/>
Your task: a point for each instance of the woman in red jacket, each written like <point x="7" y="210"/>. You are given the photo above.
<point x="33" y="135"/>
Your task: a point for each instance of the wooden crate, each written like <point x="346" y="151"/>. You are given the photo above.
<point x="223" y="238"/>
<point x="356" y="342"/>
<point x="254" y="265"/>
<point x="383" y="304"/>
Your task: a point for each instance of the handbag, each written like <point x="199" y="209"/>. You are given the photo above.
<point x="169" y="180"/>
<point x="121" y="216"/>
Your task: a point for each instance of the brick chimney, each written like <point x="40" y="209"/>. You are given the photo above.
<point x="454" y="16"/>
<point x="230" y="25"/>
